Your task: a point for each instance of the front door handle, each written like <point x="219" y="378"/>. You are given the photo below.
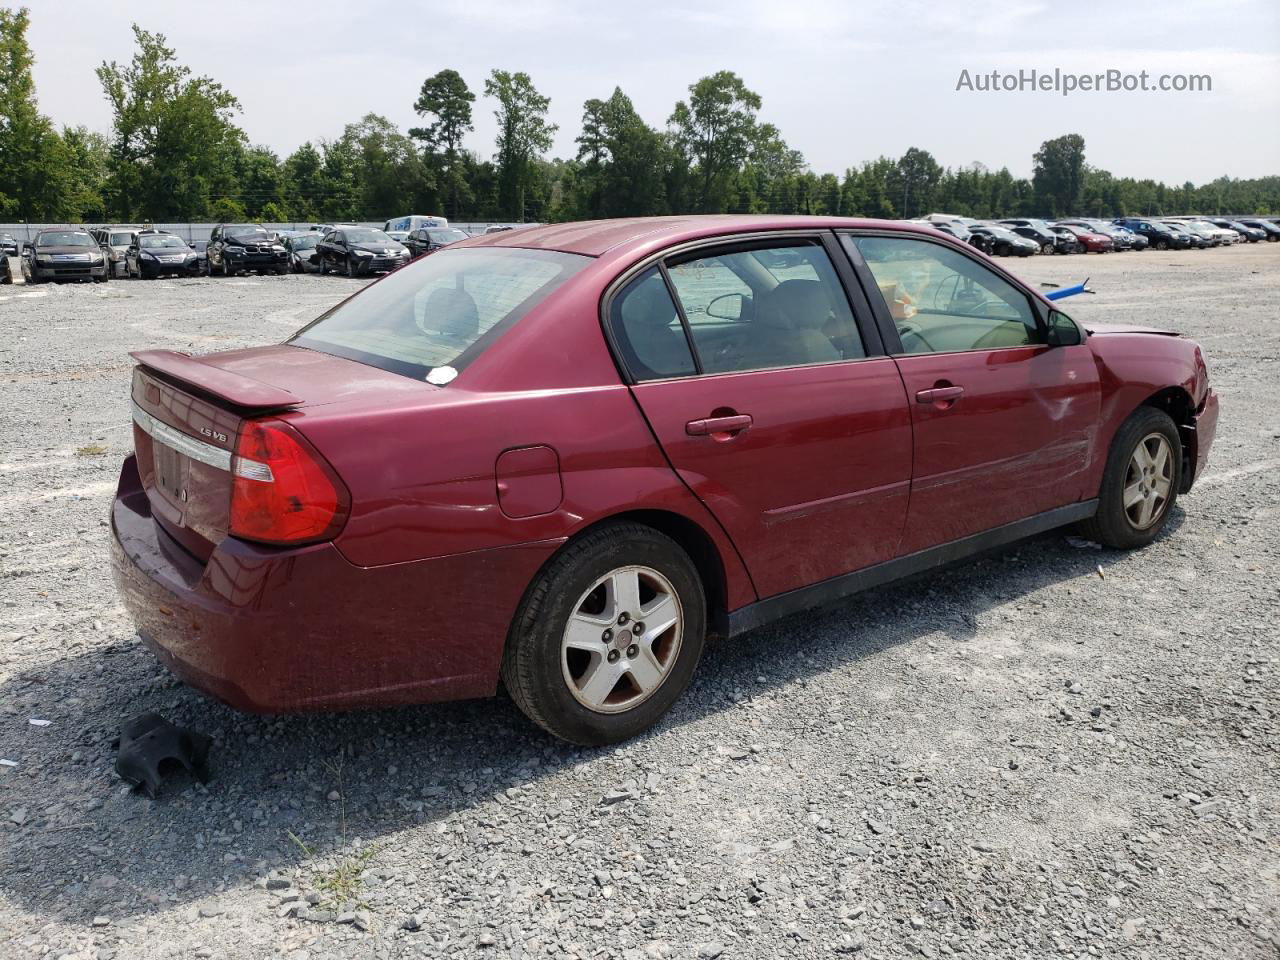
<point x="940" y="394"/>
<point x="710" y="425"/>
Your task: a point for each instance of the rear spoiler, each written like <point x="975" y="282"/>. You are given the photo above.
<point x="232" y="387"/>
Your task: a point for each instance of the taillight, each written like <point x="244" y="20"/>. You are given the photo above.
<point x="282" y="491"/>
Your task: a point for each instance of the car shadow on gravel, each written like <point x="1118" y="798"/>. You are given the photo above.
<point x="76" y="843"/>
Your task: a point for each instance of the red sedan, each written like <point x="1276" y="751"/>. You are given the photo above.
<point x="1092" y="242"/>
<point x="560" y="457"/>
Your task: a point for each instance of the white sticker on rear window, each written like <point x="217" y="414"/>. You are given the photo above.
<point x="441" y="375"/>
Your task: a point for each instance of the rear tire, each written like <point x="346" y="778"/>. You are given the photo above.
<point x="1047" y="249"/>
<point x="1138" y="492"/>
<point x="584" y="665"/>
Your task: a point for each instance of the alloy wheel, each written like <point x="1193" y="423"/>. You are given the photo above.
<point x="1149" y="481"/>
<point x="622" y="639"/>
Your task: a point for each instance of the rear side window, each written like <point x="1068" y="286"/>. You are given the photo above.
<point x="648" y="330"/>
<point x="429" y="320"/>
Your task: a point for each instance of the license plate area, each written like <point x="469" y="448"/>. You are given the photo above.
<point x="171" y="470"/>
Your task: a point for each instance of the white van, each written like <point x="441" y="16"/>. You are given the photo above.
<point x="415" y="222"/>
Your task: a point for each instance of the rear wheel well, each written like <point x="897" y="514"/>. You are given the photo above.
<point x="697" y="544"/>
<point x="1177" y="403"/>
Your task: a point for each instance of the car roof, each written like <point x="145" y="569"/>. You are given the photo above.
<point x="595" y="238"/>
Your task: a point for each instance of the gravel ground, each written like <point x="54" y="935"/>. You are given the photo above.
<point x="1056" y="751"/>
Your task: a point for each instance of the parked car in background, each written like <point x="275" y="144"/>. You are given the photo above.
<point x="115" y="240"/>
<point x="234" y="247"/>
<point x="65" y="254"/>
<point x="1119" y="239"/>
<point x="1136" y="240"/>
<point x="8" y="245"/>
<point x="564" y="463"/>
<point x="426" y="240"/>
<point x="399" y="236"/>
<point x="953" y="228"/>
<point x="415" y="222"/>
<point x="1037" y="231"/>
<point x="154" y="255"/>
<point x="1067" y="241"/>
<point x="1003" y="242"/>
<point x="359" y="251"/>
<point x="1158" y="235"/>
<point x="201" y="247"/>
<point x="1206" y="232"/>
<point x="1197" y="241"/>
<point x="1225" y="235"/>
<point x="302" y="248"/>
<point x="1091" y="240"/>
<point x="497" y="228"/>
<point x="1247" y="234"/>
<point x="1272" y="230"/>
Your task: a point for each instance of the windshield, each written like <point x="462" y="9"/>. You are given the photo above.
<point x="248" y="231"/>
<point x="366" y="235"/>
<point x="302" y="243"/>
<point x="446" y="236"/>
<point x="148" y="243"/>
<point x="66" y="238"/>
<point x="442" y="312"/>
<point x="121" y="239"/>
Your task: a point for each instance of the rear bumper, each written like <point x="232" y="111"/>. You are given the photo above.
<point x="282" y="630"/>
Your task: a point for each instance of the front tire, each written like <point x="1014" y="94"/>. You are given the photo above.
<point x="608" y="636"/>
<point x="352" y="272"/>
<point x="1047" y="249"/>
<point x="1141" y="482"/>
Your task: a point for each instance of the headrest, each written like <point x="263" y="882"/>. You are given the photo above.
<point x="452" y="312"/>
<point x="648" y="306"/>
<point x="796" y="305"/>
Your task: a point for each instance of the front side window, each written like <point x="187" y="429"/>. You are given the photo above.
<point x="442" y="311"/>
<point x="944" y="302"/>
<point x="755" y="309"/>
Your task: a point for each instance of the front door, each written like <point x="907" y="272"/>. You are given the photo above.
<point x="756" y="382"/>
<point x="1003" y="423"/>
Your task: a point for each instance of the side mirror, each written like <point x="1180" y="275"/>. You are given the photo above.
<point x="1062" y="331"/>
<point x="727" y="306"/>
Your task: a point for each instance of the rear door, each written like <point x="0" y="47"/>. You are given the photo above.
<point x="1003" y="422"/>
<point x="776" y="407"/>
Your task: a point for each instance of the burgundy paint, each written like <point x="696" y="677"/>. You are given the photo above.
<point x="413" y="600"/>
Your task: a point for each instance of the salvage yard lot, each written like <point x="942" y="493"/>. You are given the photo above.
<point x="1056" y="751"/>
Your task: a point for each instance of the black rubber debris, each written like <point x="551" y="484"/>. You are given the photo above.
<point x="150" y="746"/>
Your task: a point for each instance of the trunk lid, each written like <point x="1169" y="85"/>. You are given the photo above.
<point x="188" y="412"/>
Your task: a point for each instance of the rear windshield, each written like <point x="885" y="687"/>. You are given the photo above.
<point x="442" y="312"/>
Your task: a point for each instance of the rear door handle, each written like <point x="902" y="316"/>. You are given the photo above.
<point x="701" y="428"/>
<point x="936" y="394"/>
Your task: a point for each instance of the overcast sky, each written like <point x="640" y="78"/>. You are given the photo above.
<point x="845" y="80"/>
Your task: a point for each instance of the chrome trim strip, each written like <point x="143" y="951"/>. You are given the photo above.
<point x="205" y="453"/>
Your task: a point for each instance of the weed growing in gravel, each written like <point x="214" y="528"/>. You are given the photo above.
<point x="340" y="884"/>
<point x="92" y="450"/>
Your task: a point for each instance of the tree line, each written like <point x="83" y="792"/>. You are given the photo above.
<point x="175" y="153"/>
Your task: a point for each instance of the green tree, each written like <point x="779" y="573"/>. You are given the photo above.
<point x="304" y="185"/>
<point x="446" y="99"/>
<point x="523" y="135"/>
<point x="36" y="181"/>
<point x="173" y="141"/>
<point x="912" y="181"/>
<point x="1058" y="175"/>
<point x="88" y="160"/>
<point x="260" y="180"/>
<point x="623" y="162"/>
<point x="715" y="129"/>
